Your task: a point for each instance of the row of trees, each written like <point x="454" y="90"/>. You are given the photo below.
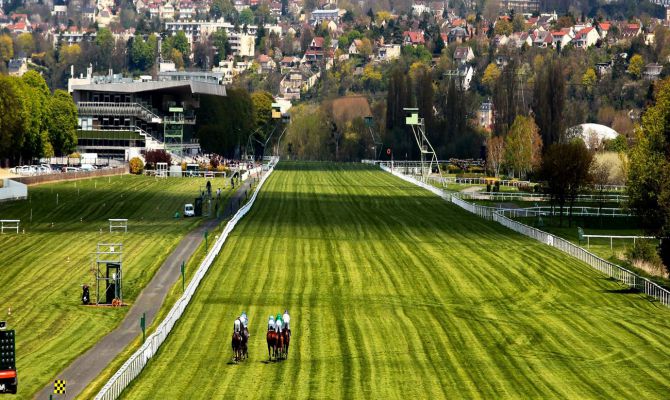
<point x="33" y="122"/>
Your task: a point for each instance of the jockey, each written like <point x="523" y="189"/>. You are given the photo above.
<point x="271" y="323"/>
<point x="244" y="319"/>
<point x="278" y="324"/>
<point x="286" y="319"/>
<point x="237" y="326"/>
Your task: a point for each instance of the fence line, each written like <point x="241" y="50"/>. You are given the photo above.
<point x="136" y="363"/>
<point x="617" y="272"/>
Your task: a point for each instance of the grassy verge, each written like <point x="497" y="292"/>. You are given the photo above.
<point x="43" y="269"/>
<point x="175" y="293"/>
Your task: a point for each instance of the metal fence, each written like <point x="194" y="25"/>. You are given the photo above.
<point x="136" y="363"/>
<point x="522" y="196"/>
<point x="617" y="272"/>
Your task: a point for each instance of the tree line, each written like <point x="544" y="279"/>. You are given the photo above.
<point x="34" y="122"/>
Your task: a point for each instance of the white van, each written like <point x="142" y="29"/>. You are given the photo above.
<point x="189" y="211"/>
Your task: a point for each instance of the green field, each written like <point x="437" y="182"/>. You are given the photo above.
<point x="43" y="269"/>
<point x="395" y="293"/>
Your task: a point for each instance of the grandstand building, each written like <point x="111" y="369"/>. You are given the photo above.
<point x="121" y="117"/>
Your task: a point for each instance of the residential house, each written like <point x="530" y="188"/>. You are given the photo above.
<point x="630" y="30"/>
<point x="275" y="9"/>
<point x="603" y="68"/>
<point x="388" y="52"/>
<point x="437" y="9"/>
<point x="88" y="15"/>
<point x="266" y="63"/>
<point x="17" y="67"/>
<point x="289" y="62"/>
<point x="186" y="10"/>
<point x="485" y="115"/>
<point x="463" y="54"/>
<point x="296" y="82"/>
<point x="561" y="38"/>
<point x="457" y="35"/>
<point x="59" y="11"/>
<point x="420" y="7"/>
<point x="167" y="12"/>
<point x="604" y="28"/>
<point x="413" y="38"/>
<point x="519" y="39"/>
<point x="354" y="46"/>
<point x="543" y="39"/>
<point x="319" y="16"/>
<point x="652" y="71"/>
<point x="586" y="38"/>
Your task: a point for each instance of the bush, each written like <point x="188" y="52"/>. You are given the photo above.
<point x="155" y="156"/>
<point x="643" y="250"/>
<point x="136" y="165"/>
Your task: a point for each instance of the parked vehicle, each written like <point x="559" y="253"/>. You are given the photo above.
<point x="189" y="211"/>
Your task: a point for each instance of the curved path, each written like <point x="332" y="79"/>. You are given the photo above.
<point x="83" y="370"/>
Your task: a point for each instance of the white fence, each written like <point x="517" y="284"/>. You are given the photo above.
<point x="11" y="224"/>
<point x="136" y="363"/>
<point x="12" y="190"/>
<point x="521" y="196"/>
<point x="615" y="271"/>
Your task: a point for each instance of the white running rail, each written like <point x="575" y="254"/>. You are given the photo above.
<point x="617" y="272"/>
<point x="136" y="363"/>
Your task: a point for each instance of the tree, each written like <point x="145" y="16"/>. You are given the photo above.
<point x="495" y="154"/>
<point x="25" y="44"/>
<point x="307" y="136"/>
<point x="104" y="42"/>
<point x="262" y="106"/>
<point x="589" y="79"/>
<point x="491" y="76"/>
<point x="365" y="49"/>
<point x="566" y="170"/>
<point x="636" y="66"/>
<point x="62" y="123"/>
<point x="6" y="48"/>
<point x="142" y="53"/>
<point x="225" y="123"/>
<point x="523" y="146"/>
<point x="503" y="27"/>
<point x="14" y="115"/>
<point x="519" y="23"/>
<point x="221" y="46"/>
<point x="180" y="43"/>
<point x="247" y="17"/>
<point x="548" y="102"/>
<point x="37" y="94"/>
<point x="648" y="182"/>
<point x="155" y="156"/>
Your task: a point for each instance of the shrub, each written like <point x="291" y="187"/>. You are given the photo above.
<point x="155" y="156"/>
<point x="643" y="250"/>
<point x="136" y="165"/>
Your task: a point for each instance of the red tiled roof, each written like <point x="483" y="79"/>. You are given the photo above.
<point x="415" y="37"/>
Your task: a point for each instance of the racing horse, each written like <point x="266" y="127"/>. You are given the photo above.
<point x="279" y="346"/>
<point x="272" y="339"/>
<point x="237" y="344"/>
<point x="287" y="339"/>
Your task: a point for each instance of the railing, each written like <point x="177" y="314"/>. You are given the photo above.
<point x="617" y="272"/>
<point x="12" y="224"/>
<point x="611" y="238"/>
<point x="136" y="363"/>
<point x="521" y="196"/>
<point x="119" y="109"/>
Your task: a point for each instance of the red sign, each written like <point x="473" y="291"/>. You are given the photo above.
<point x="388" y="152"/>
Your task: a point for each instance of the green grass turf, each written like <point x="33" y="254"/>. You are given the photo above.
<point x="43" y="269"/>
<point x="395" y="293"/>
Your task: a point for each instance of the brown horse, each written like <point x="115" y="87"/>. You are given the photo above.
<point x="287" y="340"/>
<point x="272" y="339"/>
<point x="279" y="346"/>
<point x="245" y="341"/>
<point x="237" y="346"/>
